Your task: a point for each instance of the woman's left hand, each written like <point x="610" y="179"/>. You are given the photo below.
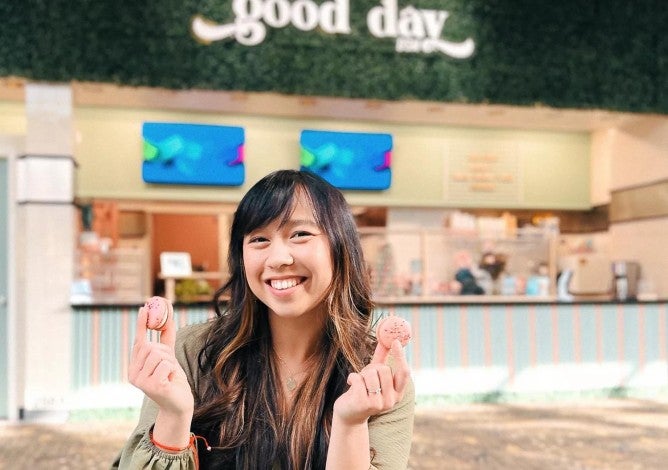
<point x="376" y="388"/>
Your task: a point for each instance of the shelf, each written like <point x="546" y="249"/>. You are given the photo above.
<point x="466" y="299"/>
<point x="170" y="282"/>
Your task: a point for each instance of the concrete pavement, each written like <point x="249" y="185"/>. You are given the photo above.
<point x="595" y="434"/>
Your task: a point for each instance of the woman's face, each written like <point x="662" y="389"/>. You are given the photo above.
<point x="289" y="268"/>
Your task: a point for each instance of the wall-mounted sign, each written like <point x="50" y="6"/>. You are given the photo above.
<point x="193" y="154"/>
<point x="484" y="173"/>
<point x="413" y="29"/>
<point x="348" y="160"/>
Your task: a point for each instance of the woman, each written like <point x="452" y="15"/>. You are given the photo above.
<point x="286" y="376"/>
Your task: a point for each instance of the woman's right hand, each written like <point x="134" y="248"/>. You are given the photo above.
<point x="155" y="370"/>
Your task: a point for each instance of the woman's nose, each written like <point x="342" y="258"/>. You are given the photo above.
<point x="280" y="256"/>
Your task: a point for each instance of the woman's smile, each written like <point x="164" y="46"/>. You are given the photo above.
<point x="283" y="284"/>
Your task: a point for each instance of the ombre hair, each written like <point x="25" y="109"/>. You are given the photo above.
<point x="237" y="405"/>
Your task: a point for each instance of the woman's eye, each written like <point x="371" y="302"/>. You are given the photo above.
<point x="301" y="234"/>
<point x="257" y="239"/>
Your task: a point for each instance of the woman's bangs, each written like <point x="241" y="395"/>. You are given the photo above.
<point x="267" y="207"/>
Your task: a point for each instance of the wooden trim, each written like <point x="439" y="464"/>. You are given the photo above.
<point x="12" y="89"/>
<point x="322" y="107"/>
<point x="400" y="112"/>
<point x="172" y="207"/>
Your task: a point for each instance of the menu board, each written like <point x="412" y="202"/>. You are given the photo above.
<point x="482" y="173"/>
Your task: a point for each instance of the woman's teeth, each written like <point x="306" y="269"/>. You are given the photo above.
<point x="284" y="283"/>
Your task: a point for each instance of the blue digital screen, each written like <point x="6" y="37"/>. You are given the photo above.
<point x="193" y="154"/>
<point x="348" y="160"/>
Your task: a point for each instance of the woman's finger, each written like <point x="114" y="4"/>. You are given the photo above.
<point x="151" y="363"/>
<point x="139" y="355"/>
<point x="380" y="354"/>
<point x="140" y="331"/>
<point x="371" y="381"/>
<point x="386" y="382"/>
<point x="356" y="382"/>
<point x="146" y="358"/>
<point x="163" y="372"/>
<point x="401" y="370"/>
<point x="168" y="335"/>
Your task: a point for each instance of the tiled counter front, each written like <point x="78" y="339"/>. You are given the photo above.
<point x="490" y="350"/>
<point x="459" y="351"/>
<point x="103" y="337"/>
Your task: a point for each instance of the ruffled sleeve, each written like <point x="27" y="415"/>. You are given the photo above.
<point x="390" y="434"/>
<point x="146" y="456"/>
<point x="139" y="453"/>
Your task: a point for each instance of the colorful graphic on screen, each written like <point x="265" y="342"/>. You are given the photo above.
<point x="193" y="154"/>
<point x="348" y="160"/>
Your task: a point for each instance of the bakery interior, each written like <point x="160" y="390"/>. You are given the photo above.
<point x="522" y="233"/>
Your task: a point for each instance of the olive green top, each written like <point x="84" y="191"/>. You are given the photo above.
<point x="390" y="432"/>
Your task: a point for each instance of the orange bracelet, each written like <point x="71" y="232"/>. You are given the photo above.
<point x="191" y="444"/>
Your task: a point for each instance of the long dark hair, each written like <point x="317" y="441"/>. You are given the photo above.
<point x="237" y="403"/>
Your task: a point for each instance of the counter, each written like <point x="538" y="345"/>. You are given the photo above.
<point x="465" y="299"/>
<point x="461" y="350"/>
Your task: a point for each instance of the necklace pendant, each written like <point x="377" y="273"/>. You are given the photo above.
<point x="291" y="384"/>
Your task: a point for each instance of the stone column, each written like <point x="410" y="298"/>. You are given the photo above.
<point x="46" y="223"/>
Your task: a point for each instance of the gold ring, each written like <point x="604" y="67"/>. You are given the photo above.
<point x="378" y="390"/>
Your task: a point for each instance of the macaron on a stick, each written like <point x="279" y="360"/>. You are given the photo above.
<point x="158" y="312"/>
<point x="391" y="328"/>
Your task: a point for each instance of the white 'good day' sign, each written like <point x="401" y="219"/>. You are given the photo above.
<point x="415" y="30"/>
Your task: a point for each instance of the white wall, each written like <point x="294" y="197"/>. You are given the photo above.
<point x="633" y="156"/>
<point x="647" y="242"/>
<point x="639" y="153"/>
<point x="553" y="167"/>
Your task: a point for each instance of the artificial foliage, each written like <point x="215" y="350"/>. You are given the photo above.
<point x="607" y="54"/>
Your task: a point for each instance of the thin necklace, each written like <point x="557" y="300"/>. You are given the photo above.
<point x="291" y="381"/>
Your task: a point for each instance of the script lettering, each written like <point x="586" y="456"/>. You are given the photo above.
<point x="413" y="29"/>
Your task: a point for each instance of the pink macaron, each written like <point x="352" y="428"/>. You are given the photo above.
<point x="391" y="328"/>
<point x="159" y="310"/>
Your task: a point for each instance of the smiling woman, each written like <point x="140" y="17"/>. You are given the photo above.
<point x="289" y="265"/>
<point x="289" y="375"/>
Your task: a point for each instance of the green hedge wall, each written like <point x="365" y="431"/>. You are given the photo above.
<point x="608" y="54"/>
